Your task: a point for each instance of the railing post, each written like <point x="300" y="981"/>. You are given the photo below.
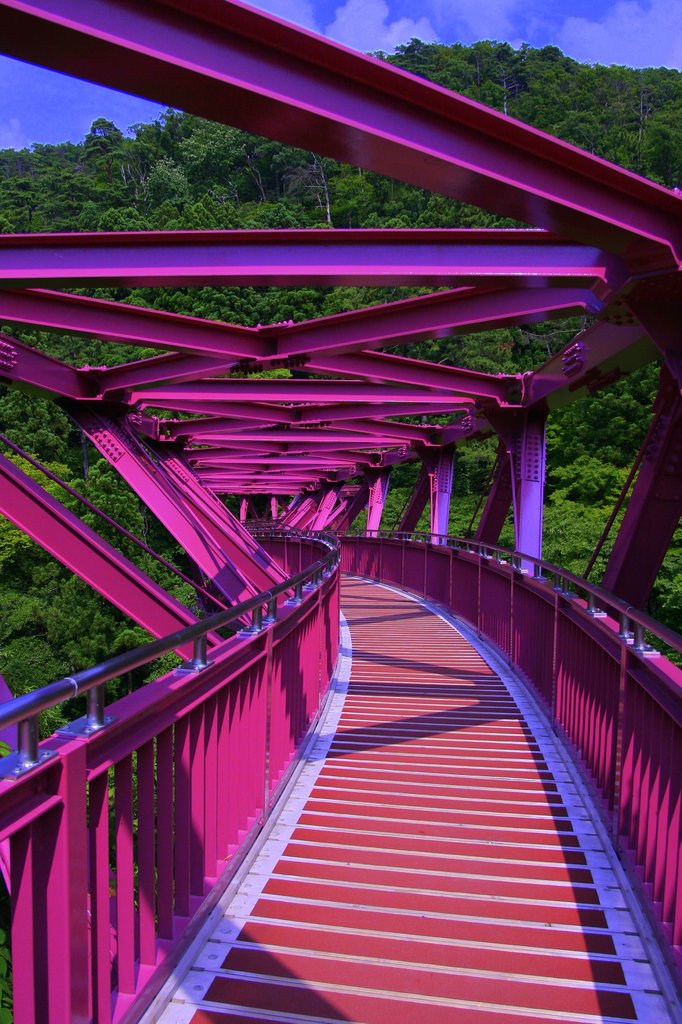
<point x="95" y="709"/>
<point x="402" y="563"/>
<point x="199" y="657"/>
<point x="478" y="594"/>
<point x="27" y="737"/>
<point x="426" y="555"/>
<point x="268" y="725"/>
<point x="555" y="664"/>
<point x="618" y="747"/>
<point x="512" y="592"/>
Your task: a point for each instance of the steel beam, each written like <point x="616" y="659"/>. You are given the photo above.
<point x="441" y="491"/>
<point x="430" y="257"/>
<point x="655" y="505"/>
<point x="62" y="534"/>
<point x="381" y="366"/>
<point x="354" y="504"/>
<point x="529" y="458"/>
<point x="25" y="367"/>
<point x="417" y="502"/>
<point x="498" y="502"/>
<point x="121" y="324"/>
<point x="326" y="508"/>
<point x="293" y="390"/>
<point x="378" y="489"/>
<point x="201" y="536"/>
<point x="231" y="63"/>
<point x="242" y="550"/>
<point x="465" y="310"/>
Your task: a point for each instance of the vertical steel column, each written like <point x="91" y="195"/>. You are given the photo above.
<point x="529" y="453"/>
<point x="243" y="509"/>
<point x="441" y="492"/>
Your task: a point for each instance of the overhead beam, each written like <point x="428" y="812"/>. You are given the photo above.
<point x="27" y="368"/>
<point x="62" y="534"/>
<point x="440" y="315"/>
<point x="293" y="390"/>
<point x="427" y="257"/>
<point x="204" y="544"/>
<point x="381" y="366"/>
<point x="115" y="322"/>
<point x="233" y="64"/>
<point x="655" y="506"/>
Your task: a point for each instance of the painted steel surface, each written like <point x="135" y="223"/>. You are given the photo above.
<point x="436" y="860"/>
<point x="619" y="708"/>
<point x="116" y="841"/>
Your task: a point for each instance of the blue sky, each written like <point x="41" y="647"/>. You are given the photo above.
<point x="41" y="106"/>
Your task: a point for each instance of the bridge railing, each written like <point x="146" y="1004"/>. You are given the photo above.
<point x="588" y="656"/>
<point x="120" y="833"/>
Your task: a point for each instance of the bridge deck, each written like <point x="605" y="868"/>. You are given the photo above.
<point x="436" y="862"/>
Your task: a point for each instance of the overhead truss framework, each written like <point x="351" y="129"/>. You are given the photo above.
<point x="603" y="244"/>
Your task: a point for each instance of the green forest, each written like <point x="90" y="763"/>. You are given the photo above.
<point x="182" y="172"/>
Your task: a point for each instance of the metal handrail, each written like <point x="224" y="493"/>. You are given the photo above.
<point x="24" y="711"/>
<point x="597" y="597"/>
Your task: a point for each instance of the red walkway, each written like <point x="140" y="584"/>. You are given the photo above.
<point x="438" y="865"/>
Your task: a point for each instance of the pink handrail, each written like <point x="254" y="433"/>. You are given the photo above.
<point x="616" y="701"/>
<point x="120" y="841"/>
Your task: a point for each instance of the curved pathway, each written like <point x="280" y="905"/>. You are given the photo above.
<point x="435" y="863"/>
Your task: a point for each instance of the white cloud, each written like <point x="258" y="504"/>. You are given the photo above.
<point x="639" y="35"/>
<point x="364" y="25"/>
<point x="12" y="135"/>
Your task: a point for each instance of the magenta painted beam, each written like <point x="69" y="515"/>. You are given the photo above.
<point x="608" y="349"/>
<point x="500" y="388"/>
<point x="326" y="508"/>
<point x="127" y="325"/>
<point x="530" y="458"/>
<point x="378" y="489"/>
<point x="322" y="462"/>
<point x="440" y="257"/>
<point x="289" y="391"/>
<point x="441" y="491"/>
<point x="497" y="503"/>
<point x="226" y="432"/>
<point x="242" y="550"/>
<point x="233" y="450"/>
<point x="305" y="511"/>
<point x="417" y="502"/>
<point x="231" y="63"/>
<point x="655" y="506"/>
<point x="204" y="546"/>
<point x="439" y="315"/>
<point x="353" y="506"/>
<point x="25" y="366"/>
<point x="81" y="550"/>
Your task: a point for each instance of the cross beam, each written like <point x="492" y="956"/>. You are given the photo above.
<point x="233" y="64"/>
<point x="361" y="257"/>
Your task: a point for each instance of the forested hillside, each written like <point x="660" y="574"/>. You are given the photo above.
<point x="181" y="172"/>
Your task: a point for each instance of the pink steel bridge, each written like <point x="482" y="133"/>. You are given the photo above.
<point x="449" y="859"/>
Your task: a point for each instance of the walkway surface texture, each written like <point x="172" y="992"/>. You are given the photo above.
<point x="436" y="862"/>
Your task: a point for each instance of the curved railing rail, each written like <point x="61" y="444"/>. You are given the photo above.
<point x="118" y="834"/>
<point x="597" y="598"/>
<point x="614" y="698"/>
<point x="25" y="711"/>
